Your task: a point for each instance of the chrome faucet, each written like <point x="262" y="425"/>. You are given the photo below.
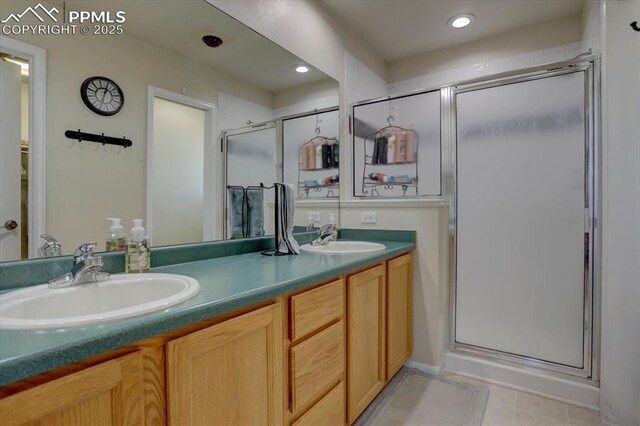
<point x="326" y="233"/>
<point x="86" y="268"/>
<point x="50" y="246"/>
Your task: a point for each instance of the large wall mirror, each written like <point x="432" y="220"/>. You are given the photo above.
<point x="208" y="104"/>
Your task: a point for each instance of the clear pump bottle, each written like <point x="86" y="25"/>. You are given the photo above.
<point x="138" y="254"/>
<point x="116" y="240"/>
<point x="333" y="225"/>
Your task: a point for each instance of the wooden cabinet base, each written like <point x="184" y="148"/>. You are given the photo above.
<point x="228" y="374"/>
<point x="110" y="393"/>
<point x="342" y="346"/>
<point x="399" y="318"/>
<point x="366" y="337"/>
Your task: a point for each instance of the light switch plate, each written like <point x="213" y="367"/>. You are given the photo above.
<point x="367" y="217"/>
<point x="315" y="216"/>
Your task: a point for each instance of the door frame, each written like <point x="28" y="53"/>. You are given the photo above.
<point x="591" y="338"/>
<point x="210" y="215"/>
<point x="224" y="142"/>
<point x="37" y="58"/>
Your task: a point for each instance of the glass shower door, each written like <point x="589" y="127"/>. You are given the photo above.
<point x="521" y="202"/>
<point x="250" y="161"/>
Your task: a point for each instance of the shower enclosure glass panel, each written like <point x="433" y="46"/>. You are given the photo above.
<point x="522" y="190"/>
<point x="251" y="160"/>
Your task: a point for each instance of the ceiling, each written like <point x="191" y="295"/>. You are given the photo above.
<point x="178" y="26"/>
<point x="398" y="29"/>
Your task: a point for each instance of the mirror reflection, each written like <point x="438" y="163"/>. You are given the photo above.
<point x="205" y="102"/>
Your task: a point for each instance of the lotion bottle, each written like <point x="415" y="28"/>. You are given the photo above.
<point x="138" y="255"/>
<point x="334" y="227"/>
<point x="117" y="240"/>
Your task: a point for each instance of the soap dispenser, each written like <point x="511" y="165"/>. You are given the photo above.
<point x="116" y="240"/>
<point x="311" y="222"/>
<point x="138" y="255"/>
<point x="333" y="226"/>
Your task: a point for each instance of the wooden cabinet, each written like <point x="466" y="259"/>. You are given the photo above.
<point x="317" y="355"/>
<point x="366" y="338"/>
<point x="110" y="393"/>
<point x="379" y="320"/>
<point x="229" y="373"/>
<point x="399" y="319"/>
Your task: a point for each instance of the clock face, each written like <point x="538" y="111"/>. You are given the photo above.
<point x="102" y="95"/>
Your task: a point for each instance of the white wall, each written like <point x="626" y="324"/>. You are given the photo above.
<point x="546" y="35"/>
<point x="592" y="25"/>
<point x="620" y="375"/>
<point x="318" y="95"/>
<point x="488" y="67"/>
<point x="234" y="111"/>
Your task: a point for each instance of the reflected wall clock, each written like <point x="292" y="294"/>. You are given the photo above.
<point x="102" y="95"/>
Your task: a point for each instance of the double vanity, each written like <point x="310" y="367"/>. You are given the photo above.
<point x="248" y="339"/>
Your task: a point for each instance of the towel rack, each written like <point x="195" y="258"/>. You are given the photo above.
<point x="101" y="138"/>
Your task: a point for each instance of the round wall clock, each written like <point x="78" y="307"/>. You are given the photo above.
<point x="102" y="95"/>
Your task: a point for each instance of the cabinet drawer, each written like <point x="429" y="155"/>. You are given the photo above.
<point x="328" y="411"/>
<point x="315" y="308"/>
<point x="316" y="364"/>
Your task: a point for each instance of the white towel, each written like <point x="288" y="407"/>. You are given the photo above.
<point x="286" y="243"/>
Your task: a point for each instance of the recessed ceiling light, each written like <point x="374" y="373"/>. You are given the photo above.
<point x="460" y="21"/>
<point x="301" y="68"/>
<point x="212" y="40"/>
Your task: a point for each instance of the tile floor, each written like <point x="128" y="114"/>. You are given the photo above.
<point x="508" y="407"/>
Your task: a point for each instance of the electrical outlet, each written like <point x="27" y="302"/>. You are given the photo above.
<point x="367" y="217"/>
<point x="315" y="216"/>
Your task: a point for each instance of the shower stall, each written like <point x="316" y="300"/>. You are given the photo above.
<point x="523" y="220"/>
<point x="250" y="159"/>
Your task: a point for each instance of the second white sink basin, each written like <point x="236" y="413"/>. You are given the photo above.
<point x="344" y="247"/>
<point x="122" y="296"/>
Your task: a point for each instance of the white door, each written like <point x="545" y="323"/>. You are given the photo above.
<point x="10" y="166"/>
<point x="521" y="198"/>
<point x="179" y="186"/>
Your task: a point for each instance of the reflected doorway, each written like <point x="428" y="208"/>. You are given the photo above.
<point x="181" y="164"/>
<point x="14" y="157"/>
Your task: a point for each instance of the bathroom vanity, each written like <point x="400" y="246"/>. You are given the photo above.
<point x="313" y="342"/>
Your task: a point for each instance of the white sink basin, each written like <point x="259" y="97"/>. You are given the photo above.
<point x="122" y="296"/>
<point x="344" y="247"/>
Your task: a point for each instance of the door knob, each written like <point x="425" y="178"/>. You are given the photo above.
<point x="10" y="225"/>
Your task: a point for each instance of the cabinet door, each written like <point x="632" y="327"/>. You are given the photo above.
<point x="399" y="300"/>
<point x="366" y="335"/>
<point x="110" y="394"/>
<point x="229" y="373"/>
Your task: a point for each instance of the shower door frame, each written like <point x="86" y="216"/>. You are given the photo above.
<point x="591" y="336"/>
<point x="224" y="149"/>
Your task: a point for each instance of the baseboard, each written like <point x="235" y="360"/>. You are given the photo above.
<point x="434" y="370"/>
<point x="561" y="389"/>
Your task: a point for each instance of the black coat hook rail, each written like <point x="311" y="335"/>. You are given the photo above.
<point x="92" y="137"/>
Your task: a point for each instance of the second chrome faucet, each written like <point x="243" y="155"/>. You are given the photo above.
<point x="86" y="268"/>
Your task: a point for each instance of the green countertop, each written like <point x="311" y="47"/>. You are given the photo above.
<point x="227" y="283"/>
